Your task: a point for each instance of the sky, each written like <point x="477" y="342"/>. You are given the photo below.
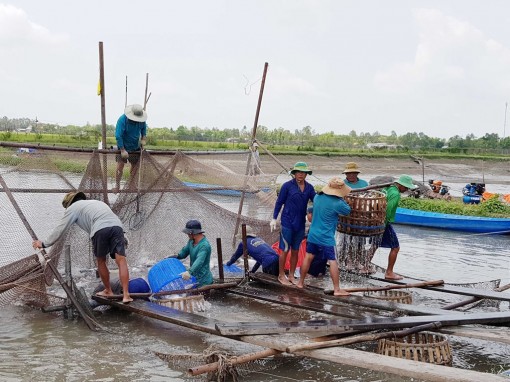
<point x="441" y="68"/>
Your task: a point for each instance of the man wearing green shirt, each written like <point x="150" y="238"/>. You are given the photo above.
<point x="389" y="238"/>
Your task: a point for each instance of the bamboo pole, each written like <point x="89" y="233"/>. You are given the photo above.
<point x="170" y="292"/>
<point x="390" y="287"/>
<point x="91" y="323"/>
<point x="362" y="338"/>
<point x="473" y="299"/>
<point x="211" y="367"/>
<point x="104" y="178"/>
<point x="253" y="136"/>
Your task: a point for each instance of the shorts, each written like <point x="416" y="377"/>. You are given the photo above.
<point x="272" y="269"/>
<point x="290" y="239"/>
<point x="133" y="158"/>
<point x="389" y="238"/>
<point x="109" y="240"/>
<point x="323" y="251"/>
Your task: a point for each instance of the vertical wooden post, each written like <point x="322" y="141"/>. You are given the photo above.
<point x="220" y="258"/>
<point x="145" y="99"/>
<point x="253" y="135"/>
<point x="103" y="122"/>
<point x="69" y="312"/>
<point x="245" y="251"/>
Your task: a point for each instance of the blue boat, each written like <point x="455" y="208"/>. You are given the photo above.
<point x="477" y="224"/>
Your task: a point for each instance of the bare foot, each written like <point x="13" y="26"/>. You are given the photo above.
<point x="367" y="270"/>
<point x="104" y="293"/>
<point x="300" y="285"/>
<point x="341" y="293"/>
<point x="392" y="276"/>
<point x="127" y="300"/>
<point x="293" y="281"/>
<point x="283" y="280"/>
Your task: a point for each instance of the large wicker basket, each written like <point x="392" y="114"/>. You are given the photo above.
<point x="423" y="346"/>
<point x="400" y="296"/>
<point x="190" y="304"/>
<point x="368" y="214"/>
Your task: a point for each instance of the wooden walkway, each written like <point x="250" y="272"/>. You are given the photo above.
<point x="296" y="333"/>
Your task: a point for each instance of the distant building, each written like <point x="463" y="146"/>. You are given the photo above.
<point x="25" y="130"/>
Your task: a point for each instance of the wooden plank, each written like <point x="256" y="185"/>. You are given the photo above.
<point x="483" y="333"/>
<point x="366" y="302"/>
<point x="480" y="293"/>
<point x="297" y="301"/>
<point x="164" y="313"/>
<point x="356" y="358"/>
<point x="367" y="324"/>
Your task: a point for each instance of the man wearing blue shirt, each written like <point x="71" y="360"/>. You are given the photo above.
<point x="327" y="206"/>
<point x="294" y="196"/>
<point x="131" y="134"/>
<point x="260" y="251"/>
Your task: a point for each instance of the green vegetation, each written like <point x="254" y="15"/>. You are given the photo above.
<point x="489" y="208"/>
<point x="279" y="141"/>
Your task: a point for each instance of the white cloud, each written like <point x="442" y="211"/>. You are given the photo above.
<point x="16" y="29"/>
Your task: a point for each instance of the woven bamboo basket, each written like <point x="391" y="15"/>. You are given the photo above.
<point x="368" y="214"/>
<point x="423" y="346"/>
<point x="400" y="296"/>
<point x="190" y="304"/>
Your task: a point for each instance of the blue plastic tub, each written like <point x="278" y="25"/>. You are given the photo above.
<point x="166" y="275"/>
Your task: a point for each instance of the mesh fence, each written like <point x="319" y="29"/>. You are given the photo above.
<point x="158" y="195"/>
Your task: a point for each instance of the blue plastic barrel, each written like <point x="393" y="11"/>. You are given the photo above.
<point x="166" y="276"/>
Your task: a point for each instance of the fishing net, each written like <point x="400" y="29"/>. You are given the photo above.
<point x="226" y="368"/>
<point x="156" y="199"/>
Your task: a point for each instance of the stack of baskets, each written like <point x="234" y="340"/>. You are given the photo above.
<point x="368" y="214"/>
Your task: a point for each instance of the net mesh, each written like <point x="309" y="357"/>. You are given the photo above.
<point x="157" y="197"/>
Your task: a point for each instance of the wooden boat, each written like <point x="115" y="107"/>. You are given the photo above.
<point x="477" y="224"/>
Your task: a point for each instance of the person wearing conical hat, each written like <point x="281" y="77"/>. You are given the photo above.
<point x="352" y="179"/>
<point x="293" y="197"/>
<point x="327" y="206"/>
<point x="106" y="232"/>
<point x="131" y="136"/>
<point x="389" y="238"/>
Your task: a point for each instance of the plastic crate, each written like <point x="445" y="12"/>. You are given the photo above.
<point x="166" y="276"/>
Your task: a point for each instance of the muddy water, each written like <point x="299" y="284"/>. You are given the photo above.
<point x="45" y="347"/>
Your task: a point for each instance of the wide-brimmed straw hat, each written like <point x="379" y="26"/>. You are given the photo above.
<point x="70" y="196"/>
<point x="337" y="187"/>
<point x="351" y="167"/>
<point x="406" y="181"/>
<point x="249" y="232"/>
<point x="135" y="113"/>
<point x="301" y="167"/>
<point x="193" y="227"/>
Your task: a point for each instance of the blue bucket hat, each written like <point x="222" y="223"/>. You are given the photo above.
<point x="193" y="227"/>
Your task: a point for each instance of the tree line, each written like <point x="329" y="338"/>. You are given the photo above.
<point x="305" y="139"/>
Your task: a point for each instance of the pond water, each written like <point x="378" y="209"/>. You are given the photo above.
<point x="38" y="346"/>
